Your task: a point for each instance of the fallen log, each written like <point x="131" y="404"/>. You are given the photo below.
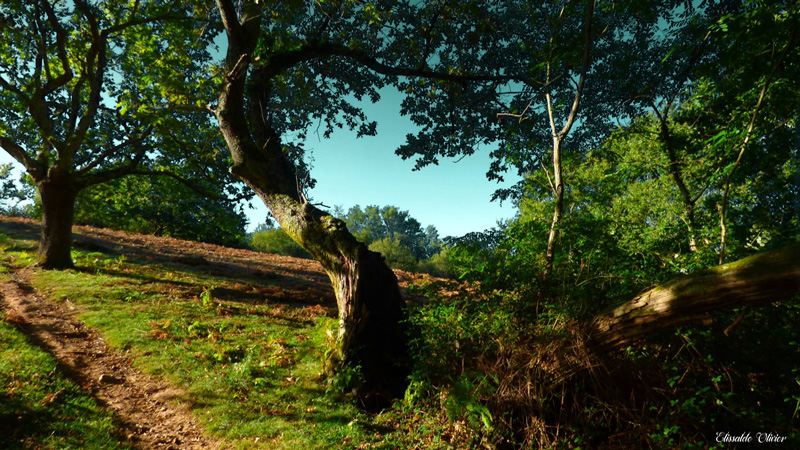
<point x="757" y="280"/>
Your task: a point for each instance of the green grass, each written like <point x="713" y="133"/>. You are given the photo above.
<point x="248" y="354"/>
<point x="41" y="409"/>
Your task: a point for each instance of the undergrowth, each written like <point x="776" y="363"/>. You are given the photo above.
<point x="499" y="369"/>
<point x="493" y="368"/>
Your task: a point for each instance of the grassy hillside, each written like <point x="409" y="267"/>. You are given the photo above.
<point x="242" y="342"/>
<point x="230" y="342"/>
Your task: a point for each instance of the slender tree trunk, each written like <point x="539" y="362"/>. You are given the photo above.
<point x="677" y="175"/>
<point x="558" y="193"/>
<point x="559" y="136"/>
<point x="756" y="280"/>
<point x="58" y="212"/>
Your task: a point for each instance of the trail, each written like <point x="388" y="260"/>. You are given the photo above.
<point x="149" y="411"/>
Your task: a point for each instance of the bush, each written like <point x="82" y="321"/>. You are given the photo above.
<point x="278" y="242"/>
<point x="395" y="253"/>
<point x="437" y="265"/>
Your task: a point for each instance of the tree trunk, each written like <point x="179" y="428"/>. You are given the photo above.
<point x="677" y="175"/>
<point x="58" y="212"/>
<point x="372" y="330"/>
<point x="371" y="311"/>
<point x="756" y="280"/>
<point x="558" y="193"/>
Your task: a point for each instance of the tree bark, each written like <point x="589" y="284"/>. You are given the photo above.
<point x="756" y="280"/>
<point x="372" y="331"/>
<point x="58" y="195"/>
<point x="558" y="193"/>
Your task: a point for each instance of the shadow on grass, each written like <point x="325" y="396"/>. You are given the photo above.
<point x="187" y="260"/>
<point x="63" y="422"/>
<point x="20" y="423"/>
<point x="261" y="294"/>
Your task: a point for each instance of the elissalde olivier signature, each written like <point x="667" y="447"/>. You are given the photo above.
<point x="760" y="437"/>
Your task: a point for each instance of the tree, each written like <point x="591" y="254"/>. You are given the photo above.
<point x="554" y="98"/>
<point x="86" y="97"/>
<point x="272" y="84"/>
<point x="127" y="204"/>
<point x="275" y="240"/>
<point x="758" y="86"/>
<point x="731" y="59"/>
<point x="576" y="69"/>
<point x="396" y="254"/>
<point x="375" y="223"/>
<point x="291" y="66"/>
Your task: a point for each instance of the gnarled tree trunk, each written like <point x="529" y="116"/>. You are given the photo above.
<point x="58" y="195"/>
<point x="756" y="280"/>
<point x="371" y="311"/>
<point x="372" y="331"/>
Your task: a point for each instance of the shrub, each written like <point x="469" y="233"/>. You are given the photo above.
<point x="278" y="242"/>
<point x="395" y="253"/>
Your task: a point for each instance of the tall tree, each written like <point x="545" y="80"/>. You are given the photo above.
<point x="290" y="66"/>
<point x="280" y="74"/>
<point x="554" y="99"/>
<point x="86" y="96"/>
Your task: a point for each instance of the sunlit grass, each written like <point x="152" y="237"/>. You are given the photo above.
<point x="247" y="357"/>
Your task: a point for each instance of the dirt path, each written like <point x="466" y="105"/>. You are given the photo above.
<point x="148" y="410"/>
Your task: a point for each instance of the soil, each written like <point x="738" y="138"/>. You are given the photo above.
<point x="147" y="409"/>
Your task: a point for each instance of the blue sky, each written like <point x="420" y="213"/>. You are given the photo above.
<point x="454" y="197"/>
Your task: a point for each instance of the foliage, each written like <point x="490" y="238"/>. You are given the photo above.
<point x="398" y="237"/>
<point x="14" y="195"/>
<point x="375" y="223"/>
<point x="275" y="240"/>
<point x="437" y="265"/>
<point x="162" y="207"/>
<point x="395" y="253"/>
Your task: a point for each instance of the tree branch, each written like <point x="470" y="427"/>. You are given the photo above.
<point x="587" y="60"/>
<point x="126" y="171"/>
<point x="99" y="159"/>
<point x="61" y="44"/>
<point x="20" y="155"/>
<point x="320" y="50"/>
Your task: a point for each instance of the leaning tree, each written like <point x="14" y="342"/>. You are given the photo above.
<point x="280" y="74"/>
<point x="290" y="66"/>
<point x="86" y="96"/>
